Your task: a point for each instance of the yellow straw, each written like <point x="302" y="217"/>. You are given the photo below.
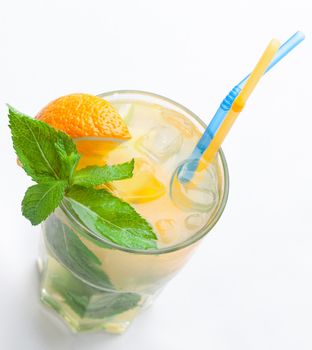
<point x="239" y="104"/>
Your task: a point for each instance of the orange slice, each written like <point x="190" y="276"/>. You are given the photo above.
<point x="83" y="115"/>
<point x="142" y="187"/>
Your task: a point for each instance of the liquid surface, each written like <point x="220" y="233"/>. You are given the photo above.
<point x="161" y="140"/>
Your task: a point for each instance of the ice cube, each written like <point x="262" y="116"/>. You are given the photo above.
<point x="202" y="197"/>
<point x="125" y="110"/>
<point x="143" y="116"/>
<point x="166" y="229"/>
<point x="180" y="122"/>
<point x="142" y="187"/>
<point x="160" y="143"/>
<point x="201" y="193"/>
<point x="194" y="222"/>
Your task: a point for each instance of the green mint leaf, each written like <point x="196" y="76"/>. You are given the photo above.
<point x="69" y="159"/>
<point x="67" y="248"/>
<point x="110" y="217"/>
<point x="87" y="301"/>
<point x="110" y="304"/>
<point x="97" y="175"/>
<point x="41" y="200"/>
<point x="35" y="145"/>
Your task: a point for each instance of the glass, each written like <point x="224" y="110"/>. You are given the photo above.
<point x="95" y="284"/>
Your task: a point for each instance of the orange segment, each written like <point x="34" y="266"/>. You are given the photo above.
<point x="83" y="115"/>
<point x="142" y="187"/>
<point x="96" y="151"/>
<point x="96" y="146"/>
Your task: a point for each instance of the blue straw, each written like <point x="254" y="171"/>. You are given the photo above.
<point x="186" y="171"/>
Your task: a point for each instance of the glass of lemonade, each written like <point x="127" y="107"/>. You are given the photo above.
<point x="94" y="284"/>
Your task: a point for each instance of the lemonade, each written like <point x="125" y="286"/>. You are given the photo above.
<point x="95" y="284"/>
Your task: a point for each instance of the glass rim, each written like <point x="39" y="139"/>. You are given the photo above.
<point x="196" y="236"/>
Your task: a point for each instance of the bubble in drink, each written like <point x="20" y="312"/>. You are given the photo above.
<point x="160" y="143"/>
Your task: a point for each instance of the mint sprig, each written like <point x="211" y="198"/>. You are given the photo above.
<point x="50" y="158"/>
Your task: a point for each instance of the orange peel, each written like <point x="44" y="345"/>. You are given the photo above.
<point x="84" y="115"/>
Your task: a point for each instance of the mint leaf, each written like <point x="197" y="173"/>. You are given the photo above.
<point x="69" y="159"/>
<point x="41" y="200"/>
<point x="68" y="249"/>
<point x="110" y="304"/>
<point x="107" y="304"/>
<point x="110" y="217"/>
<point x="35" y="145"/>
<point x="87" y="301"/>
<point x="81" y="297"/>
<point x="97" y="175"/>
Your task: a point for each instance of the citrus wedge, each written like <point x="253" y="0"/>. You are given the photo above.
<point x="83" y="115"/>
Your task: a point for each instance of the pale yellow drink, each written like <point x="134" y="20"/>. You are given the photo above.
<point x="94" y="284"/>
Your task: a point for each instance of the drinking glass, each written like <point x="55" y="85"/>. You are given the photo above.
<point x="95" y="284"/>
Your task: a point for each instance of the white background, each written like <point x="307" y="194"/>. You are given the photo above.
<point x="249" y="285"/>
